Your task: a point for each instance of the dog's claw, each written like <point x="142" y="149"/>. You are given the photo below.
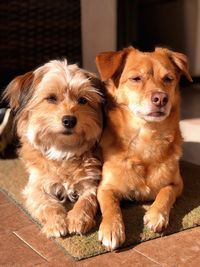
<point x="112" y="235"/>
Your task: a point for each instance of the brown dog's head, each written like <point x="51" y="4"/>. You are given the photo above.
<point x="58" y="108"/>
<point x="145" y="82"/>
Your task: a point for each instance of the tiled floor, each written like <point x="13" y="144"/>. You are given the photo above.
<point x="22" y="244"/>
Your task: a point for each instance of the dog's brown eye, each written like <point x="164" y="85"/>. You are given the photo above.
<point x="136" y="79"/>
<point x="82" y="100"/>
<point x="51" y="98"/>
<point x="167" y="79"/>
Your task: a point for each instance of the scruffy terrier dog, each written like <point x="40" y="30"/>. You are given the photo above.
<point x="59" y="122"/>
<point x="141" y="143"/>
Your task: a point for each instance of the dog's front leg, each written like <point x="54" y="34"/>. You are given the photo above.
<point x="157" y="217"/>
<point x="54" y="216"/>
<point x="82" y="217"/>
<point x="48" y="210"/>
<point x="112" y="230"/>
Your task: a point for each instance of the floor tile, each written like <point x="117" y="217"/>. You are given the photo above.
<point x="14" y="252"/>
<point x="32" y="235"/>
<point x="63" y="260"/>
<point x="174" y="250"/>
<point x="3" y="199"/>
<point x="194" y="262"/>
<point x="126" y="258"/>
<point x="12" y="218"/>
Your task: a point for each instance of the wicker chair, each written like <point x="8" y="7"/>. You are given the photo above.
<point x="33" y="32"/>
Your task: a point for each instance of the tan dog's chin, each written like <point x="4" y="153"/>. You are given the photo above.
<point x="151" y="115"/>
<point x="61" y="143"/>
<point x="155" y="117"/>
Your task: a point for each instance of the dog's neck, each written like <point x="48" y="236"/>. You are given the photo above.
<point x="139" y="138"/>
<point x="128" y="127"/>
<point x="55" y="154"/>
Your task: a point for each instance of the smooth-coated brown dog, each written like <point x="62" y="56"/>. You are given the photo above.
<point x="142" y="141"/>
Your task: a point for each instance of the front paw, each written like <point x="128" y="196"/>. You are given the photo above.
<point x="79" y="222"/>
<point x="156" y="220"/>
<point x="56" y="226"/>
<point x="112" y="233"/>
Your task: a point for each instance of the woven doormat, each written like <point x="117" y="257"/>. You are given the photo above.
<point x="184" y="215"/>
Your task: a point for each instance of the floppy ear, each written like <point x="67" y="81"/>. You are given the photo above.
<point x="110" y="63"/>
<point x="179" y="59"/>
<point x="18" y="92"/>
<point x="181" y="62"/>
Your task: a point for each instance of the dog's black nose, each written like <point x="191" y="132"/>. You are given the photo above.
<point x="69" y="121"/>
<point x="159" y="99"/>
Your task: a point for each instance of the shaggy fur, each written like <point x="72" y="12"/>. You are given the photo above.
<point x="142" y="142"/>
<point x="58" y="153"/>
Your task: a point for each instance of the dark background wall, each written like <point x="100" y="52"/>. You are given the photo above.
<point x="33" y="32"/>
<point x="149" y="23"/>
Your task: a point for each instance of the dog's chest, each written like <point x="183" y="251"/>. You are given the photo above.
<point x="143" y="181"/>
<point x="148" y="146"/>
<point x="66" y="170"/>
<point x="142" y="164"/>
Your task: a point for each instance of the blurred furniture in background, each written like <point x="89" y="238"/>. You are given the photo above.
<point x="33" y="32"/>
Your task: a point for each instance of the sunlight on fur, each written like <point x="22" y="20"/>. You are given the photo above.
<point x="59" y="122"/>
<point x="142" y="136"/>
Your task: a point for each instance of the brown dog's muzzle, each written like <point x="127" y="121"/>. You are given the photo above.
<point x="159" y="99"/>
